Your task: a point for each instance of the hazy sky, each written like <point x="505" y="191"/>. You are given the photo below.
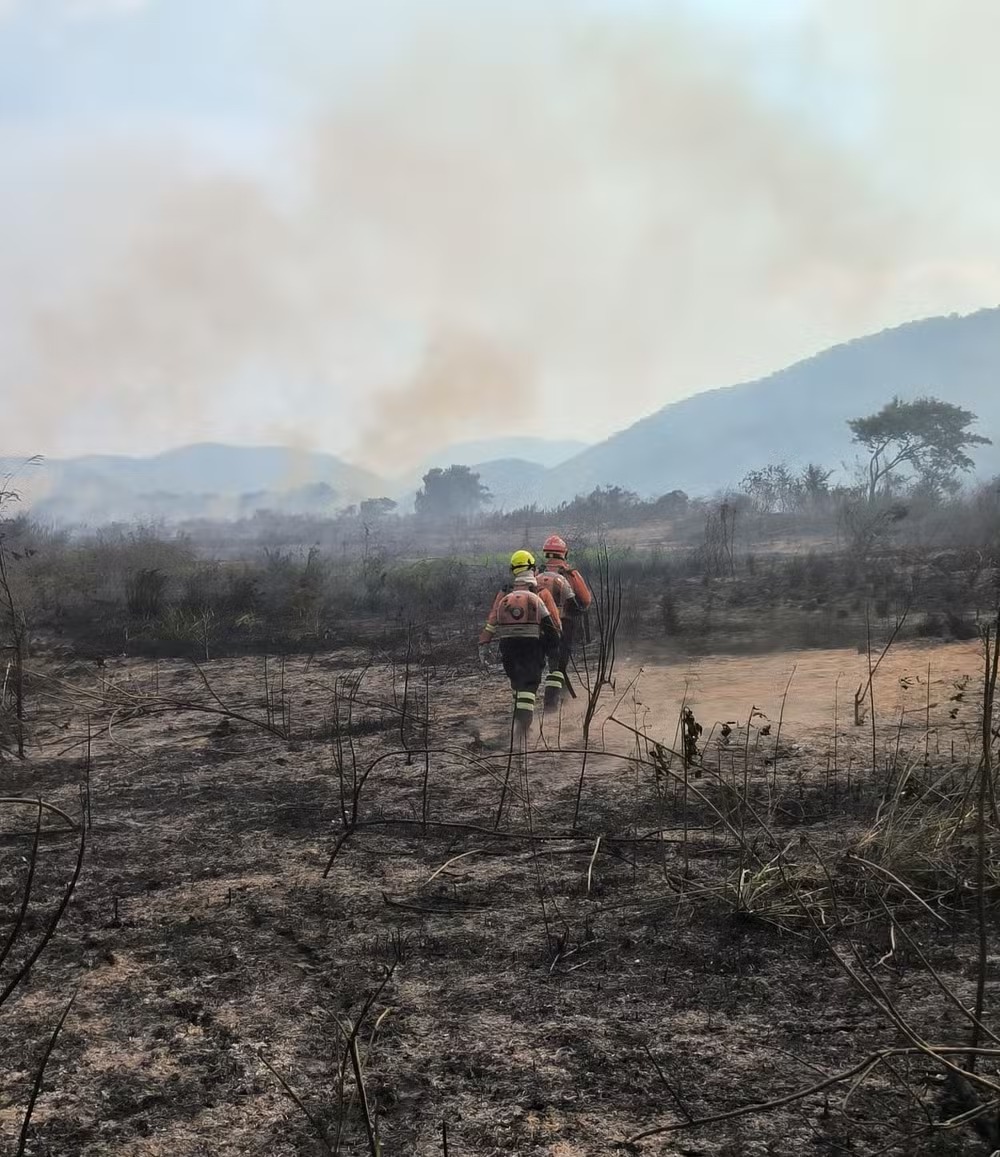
<point x="377" y="227"/>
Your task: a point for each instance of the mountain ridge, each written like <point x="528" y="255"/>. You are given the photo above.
<point x="700" y="444"/>
<point x="955" y="357"/>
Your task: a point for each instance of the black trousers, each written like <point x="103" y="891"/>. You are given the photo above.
<point x="566" y="642"/>
<point x="523" y="662"/>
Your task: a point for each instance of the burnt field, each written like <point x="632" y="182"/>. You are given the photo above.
<point x="321" y="907"/>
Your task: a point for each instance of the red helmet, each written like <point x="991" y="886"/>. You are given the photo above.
<point x="555" y="546"/>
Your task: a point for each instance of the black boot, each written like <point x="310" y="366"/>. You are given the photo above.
<point x="524" y="711"/>
<point x="555" y="684"/>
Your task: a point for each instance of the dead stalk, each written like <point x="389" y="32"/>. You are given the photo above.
<point x="51" y="807"/>
<point x="991" y="651"/>
<point x="36" y="1088"/>
<point x="350" y="781"/>
<point x="26" y="891"/>
<point x="17" y="641"/>
<point x="351" y="1033"/>
<point x="593" y="860"/>
<point x="301" y="1106"/>
<point x="424" y="804"/>
<point x="781" y="719"/>
<point x="863" y="1067"/>
<point x="608" y="612"/>
<point x="47" y="935"/>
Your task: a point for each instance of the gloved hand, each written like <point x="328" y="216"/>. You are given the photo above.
<point x="484" y="656"/>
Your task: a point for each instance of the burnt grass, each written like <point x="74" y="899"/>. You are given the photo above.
<point x="533" y="1013"/>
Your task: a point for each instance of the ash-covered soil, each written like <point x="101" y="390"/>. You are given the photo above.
<point x="548" y="996"/>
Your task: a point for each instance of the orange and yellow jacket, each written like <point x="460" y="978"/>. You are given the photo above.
<point x="524" y="612"/>
<point x="576" y="580"/>
<point x="561" y="590"/>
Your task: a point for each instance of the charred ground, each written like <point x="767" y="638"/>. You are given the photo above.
<point x="547" y="996"/>
<point x="322" y="907"/>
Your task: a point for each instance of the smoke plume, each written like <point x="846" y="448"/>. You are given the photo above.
<point x="537" y="219"/>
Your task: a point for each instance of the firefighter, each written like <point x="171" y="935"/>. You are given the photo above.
<point x="556" y="554"/>
<point x="566" y="603"/>
<point x="526" y="624"/>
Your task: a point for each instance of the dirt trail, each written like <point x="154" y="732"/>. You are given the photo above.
<point x="721" y="688"/>
<point x="820" y="685"/>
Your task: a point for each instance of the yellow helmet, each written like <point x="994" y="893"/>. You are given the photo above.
<point x="522" y="560"/>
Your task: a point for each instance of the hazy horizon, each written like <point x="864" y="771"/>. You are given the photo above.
<point x="378" y="232"/>
<point x="15" y="460"/>
<point x="407" y="471"/>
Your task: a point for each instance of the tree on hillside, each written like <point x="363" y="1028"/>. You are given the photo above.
<point x="926" y="435"/>
<point x="452" y="493"/>
<point x="375" y="508"/>
<point x="771" y="489"/>
<point x="604" y="504"/>
<point x="816" y="482"/>
<point x="671" y="505"/>
<point x="775" y="489"/>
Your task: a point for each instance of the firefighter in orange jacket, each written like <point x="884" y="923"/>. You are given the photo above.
<point x="556" y="563"/>
<point x="564" y="597"/>
<point x="526" y="623"/>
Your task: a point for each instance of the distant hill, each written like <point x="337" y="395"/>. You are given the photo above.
<point x="205" y="480"/>
<point x="798" y="414"/>
<point x="513" y="469"/>
<point x="543" y="451"/>
<point x="211" y="467"/>
<point x="513" y="482"/>
<point x="700" y="445"/>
